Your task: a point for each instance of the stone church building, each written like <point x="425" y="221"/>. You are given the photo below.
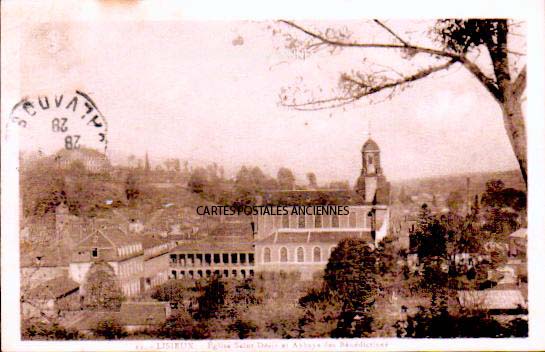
<point x="304" y="242"/>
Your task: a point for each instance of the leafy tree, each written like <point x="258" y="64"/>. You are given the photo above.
<point x="38" y="330"/>
<point x="181" y="325"/>
<point x="177" y="292"/>
<point x="101" y="288"/>
<point x="351" y="276"/>
<point x="454" y="42"/>
<point x="132" y="190"/>
<point x="109" y="328"/>
<point x="243" y="328"/>
<point x="212" y="298"/>
<point x="198" y="181"/>
<point x="321" y="312"/>
<point x="455" y="200"/>
<point x="430" y="236"/>
<point x="285" y="179"/>
<point x="312" y="182"/>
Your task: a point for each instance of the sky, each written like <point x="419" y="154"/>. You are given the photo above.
<point x="208" y="91"/>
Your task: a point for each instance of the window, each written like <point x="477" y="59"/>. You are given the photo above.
<point x="234" y="258"/>
<point x="94" y="253"/>
<point x="318" y="221"/>
<point x="300" y="254"/>
<point x="283" y="254"/>
<point x="331" y="249"/>
<point x="242" y="258"/>
<point x="216" y="258"/>
<point x="352" y="219"/>
<point x="301" y="221"/>
<point x="285" y="221"/>
<point x="251" y="258"/>
<point x="335" y="220"/>
<point x="225" y="258"/>
<point x="317" y="254"/>
<point x="267" y="255"/>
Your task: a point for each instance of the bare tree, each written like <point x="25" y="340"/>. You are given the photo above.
<point x="454" y="43"/>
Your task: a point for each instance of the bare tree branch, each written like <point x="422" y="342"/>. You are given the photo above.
<point x="391" y="32"/>
<point x="372" y="45"/>
<point x="366" y="89"/>
<point x="488" y="82"/>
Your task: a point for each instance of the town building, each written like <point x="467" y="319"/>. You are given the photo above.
<point x="228" y="251"/>
<point x="303" y="242"/>
<point x="92" y="160"/>
<point x="123" y="253"/>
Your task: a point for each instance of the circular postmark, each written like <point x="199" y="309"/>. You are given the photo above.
<point x="71" y="121"/>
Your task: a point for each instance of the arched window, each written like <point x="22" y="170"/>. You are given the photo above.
<point x="283" y="254"/>
<point x="285" y="221"/>
<point x="301" y="221"/>
<point x="267" y="255"/>
<point x="300" y="254"/>
<point x="317" y="254"/>
<point x="318" y="221"/>
<point x="335" y="220"/>
<point x="352" y="219"/>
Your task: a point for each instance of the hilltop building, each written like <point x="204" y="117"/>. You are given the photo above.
<point x="92" y="160"/>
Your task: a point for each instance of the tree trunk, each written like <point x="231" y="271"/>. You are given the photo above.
<point x="513" y="121"/>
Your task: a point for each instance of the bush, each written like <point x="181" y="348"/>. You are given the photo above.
<point x="110" y="329"/>
<point x="181" y="325"/>
<point x="32" y="330"/>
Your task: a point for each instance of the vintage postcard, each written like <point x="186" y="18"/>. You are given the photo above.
<point x="201" y="176"/>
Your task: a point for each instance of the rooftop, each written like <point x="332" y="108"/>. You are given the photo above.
<point x="492" y="299"/>
<point x="314" y="236"/>
<point x="54" y="288"/>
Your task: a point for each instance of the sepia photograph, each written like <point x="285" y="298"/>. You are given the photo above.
<point x="271" y="182"/>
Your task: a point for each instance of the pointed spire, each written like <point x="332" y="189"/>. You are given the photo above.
<point x="147" y="165"/>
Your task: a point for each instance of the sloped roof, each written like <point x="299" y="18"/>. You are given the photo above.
<point x="213" y="246"/>
<point x="286" y="237"/>
<point x="142" y="313"/>
<point x="492" y="299"/>
<point x="55" y="255"/>
<point x="109" y="237"/>
<point x="370" y="145"/>
<point x="54" y="288"/>
<point x="311" y="197"/>
<point x="134" y="313"/>
<point x="520" y="233"/>
<point x="238" y="229"/>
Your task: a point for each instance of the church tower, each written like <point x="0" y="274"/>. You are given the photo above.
<point x="371" y="184"/>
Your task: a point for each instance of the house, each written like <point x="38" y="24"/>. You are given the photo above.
<point x="518" y="242"/>
<point x="93" y="160"/>
<point x="495" y="301"/>
<point x="132" y="316"/>
<point x="228" y="251"/>
<point x="306" y="252"/>
<point x="111" y="245"/>
<point x="50" y="297"/>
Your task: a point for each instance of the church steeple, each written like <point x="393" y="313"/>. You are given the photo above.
<point x="370" y="157"/>
<point x="371" y="184"/>
<point x="147" y="166"/>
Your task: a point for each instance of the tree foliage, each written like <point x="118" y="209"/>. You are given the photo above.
<point x="101" y="288"/>
<point x="109" y="328"/>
